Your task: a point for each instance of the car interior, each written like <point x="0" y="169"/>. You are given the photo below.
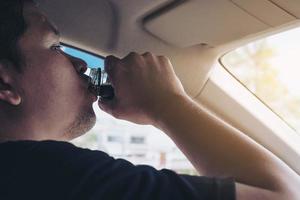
<point x="207" y="42"/>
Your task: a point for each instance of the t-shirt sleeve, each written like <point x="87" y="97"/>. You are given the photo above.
<point x="86" y="174"/>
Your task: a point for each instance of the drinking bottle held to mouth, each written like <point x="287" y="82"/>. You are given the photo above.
<point x="98" y="81"/>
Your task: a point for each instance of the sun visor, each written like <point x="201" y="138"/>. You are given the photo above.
<point x="88" y="23"/>
<point x="290" y="6"/>
<point x="214" y="22"/>
<point x="266" y="11"/>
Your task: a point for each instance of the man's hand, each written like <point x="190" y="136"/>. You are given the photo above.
<point x="143" y="84"/>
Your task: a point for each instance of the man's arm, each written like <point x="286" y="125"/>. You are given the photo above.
<point x="217" y="149"/>
<point x="148" y="92"/>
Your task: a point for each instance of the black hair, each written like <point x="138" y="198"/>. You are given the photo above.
<point x="12" y="27"/>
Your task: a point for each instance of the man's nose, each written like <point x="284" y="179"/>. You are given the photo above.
<point x="79" y="64"/>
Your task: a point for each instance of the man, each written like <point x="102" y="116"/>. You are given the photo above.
<point x="44" y="99"/>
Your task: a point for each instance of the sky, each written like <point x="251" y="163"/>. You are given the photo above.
<point x="92" y="61"/>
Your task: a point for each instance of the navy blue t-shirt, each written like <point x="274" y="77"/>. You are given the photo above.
<point x="60" y="170"/>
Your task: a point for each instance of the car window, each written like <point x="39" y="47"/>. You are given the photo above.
<point x="140" y="144"/>
<point x="92" y="61"/>
<point x="270" y="69"/>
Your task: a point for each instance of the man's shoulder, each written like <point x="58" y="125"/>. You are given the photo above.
<point x="24" y="146"/>
<point x="49" y="158"/>
<point x="48" y="150"/>
<point x="41" y="145"/>
<point x="24" y="143"/>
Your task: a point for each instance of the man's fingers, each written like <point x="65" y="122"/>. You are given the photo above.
<point x="164" y="60"/>
<point x="148" y="55"/>
<point x="133" y="60"/>
<point x="106" y="106"/>
<point x="111" y="64"/>
<point x="109" y="106"/>
<point x="131" y="55"/>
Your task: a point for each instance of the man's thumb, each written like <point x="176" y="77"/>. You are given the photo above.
<point x="108" y="106"/>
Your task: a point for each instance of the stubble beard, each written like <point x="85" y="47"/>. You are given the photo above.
<point x="81" y="125"/>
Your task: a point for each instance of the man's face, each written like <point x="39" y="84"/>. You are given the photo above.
<point x="55" y="96"/>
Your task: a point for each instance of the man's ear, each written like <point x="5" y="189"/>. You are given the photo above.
<point x="8" y="92"/>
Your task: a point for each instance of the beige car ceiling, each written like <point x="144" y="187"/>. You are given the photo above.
<point x="190" y="32"/>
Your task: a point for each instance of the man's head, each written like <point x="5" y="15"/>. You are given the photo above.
<point x="43" y="92"/>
